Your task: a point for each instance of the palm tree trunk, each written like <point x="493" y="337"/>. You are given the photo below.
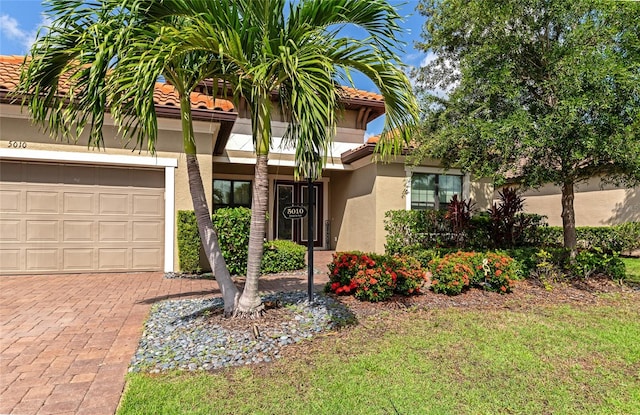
<point x="250" y="304"/>
<point x="208" y="235"/>
<point x="569" y="219"/>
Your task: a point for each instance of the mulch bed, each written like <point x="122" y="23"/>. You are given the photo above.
<point x="526" y="294"/>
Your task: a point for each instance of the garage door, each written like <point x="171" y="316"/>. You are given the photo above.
<point x="57" y="218"/>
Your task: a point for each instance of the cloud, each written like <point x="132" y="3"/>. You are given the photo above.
<point x="10" y="28"/>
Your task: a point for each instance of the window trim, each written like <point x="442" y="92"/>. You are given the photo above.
<point x="409" y="171"/>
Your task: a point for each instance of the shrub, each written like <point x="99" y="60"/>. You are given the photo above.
<point x="371" y="277"/>
<point x="590" y="262"/>
<point x="458" y="271"/>
<point x="415" y="230"/>
<point x="282" y="256"/>
<point x="499" y="272"/>
<point x="410" y="278"/>
<point x="188" y="242"/>
<point x="609" y="239"/>
<point x="232" y="226"/>
<point x="629" y="236"/>
<point x="407" y="229"/>
<point x="453" y="273"/>
<point x="459" y="216"/>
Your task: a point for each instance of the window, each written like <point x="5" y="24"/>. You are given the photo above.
<point x="231" y="193"/>
<point x="434" y="191"/>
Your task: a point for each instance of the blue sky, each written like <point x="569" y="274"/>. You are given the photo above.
<point x="20" y="20"/>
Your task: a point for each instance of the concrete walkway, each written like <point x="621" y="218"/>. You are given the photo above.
<point x="66" y="340"/>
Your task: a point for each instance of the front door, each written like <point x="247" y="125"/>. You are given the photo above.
<point x="296" y="193"/>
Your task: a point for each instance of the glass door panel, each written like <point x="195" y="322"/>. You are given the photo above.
<point x="304" y="194"/>
<point x="284" y="198"/>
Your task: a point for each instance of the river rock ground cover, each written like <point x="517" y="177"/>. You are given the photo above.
<point x="193" y="334"/>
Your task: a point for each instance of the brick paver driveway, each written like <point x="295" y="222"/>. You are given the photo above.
<point x="66" y="340"/>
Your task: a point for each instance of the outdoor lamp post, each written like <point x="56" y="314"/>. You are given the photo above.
<point x="312" y="168"/>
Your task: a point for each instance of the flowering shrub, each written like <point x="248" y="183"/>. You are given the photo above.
<point x="458" y="271"/>
<point x="452" y="273"/>
<point x="372" y="277"/>
<point x="409" y="275"/>
<point x="498" y="271"/>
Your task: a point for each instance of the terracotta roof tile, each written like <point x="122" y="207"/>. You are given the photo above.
<point x="10" y="71"/>
<point x="354" y="93"/>
<point x="373" y="139"/>
<point x="164" y="94"/>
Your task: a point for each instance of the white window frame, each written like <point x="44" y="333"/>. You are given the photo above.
<point x="409" y="171"/>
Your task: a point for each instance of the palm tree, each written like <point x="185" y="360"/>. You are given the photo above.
<point x="249" y="49"/>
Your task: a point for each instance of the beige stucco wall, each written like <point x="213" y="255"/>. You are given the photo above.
<point x="389" y="189"/>
<point x="481" y="193"/>
<point x="352" y="209"/>
<point x="594" y="205"/>
<point x="15" y="126"/>
<point x="360" y="199"/>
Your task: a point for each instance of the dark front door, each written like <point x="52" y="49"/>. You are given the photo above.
<point x="296" y="193"/>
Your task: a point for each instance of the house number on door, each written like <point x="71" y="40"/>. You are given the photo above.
<point x="17" y="144"/>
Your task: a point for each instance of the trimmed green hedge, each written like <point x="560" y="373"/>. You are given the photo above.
<point x="232" y="226"/>
<point x="412" y="231"/>
<point x="188" y="242"/>
<point x="409" y="231"/>
<point x="618" y="238"/>
<point x="282" y="256"/>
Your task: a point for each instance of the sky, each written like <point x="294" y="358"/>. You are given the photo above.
<point x="21" y="19"/>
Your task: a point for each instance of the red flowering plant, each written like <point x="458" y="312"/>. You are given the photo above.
<point x="452" y="273"/>
<point x="409" y="275"/>
<point x="343" y="268"/>
<point x="498" y="271"/>
<point x="363" y="275"/>
<point x="374" y="284"/>
<point x="457" y="271"/>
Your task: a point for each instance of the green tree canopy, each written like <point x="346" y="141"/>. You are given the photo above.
<point x="544" y="91"/>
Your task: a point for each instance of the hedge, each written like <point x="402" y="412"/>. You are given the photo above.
<point x="232" y="226"/>
<point x="188" y="242"/>
<point x="618" y="238"/>
<point x="411" y="231"/>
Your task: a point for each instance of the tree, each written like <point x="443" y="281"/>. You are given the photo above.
<point x="546" y="91"/>
<point x="113" y="52"/>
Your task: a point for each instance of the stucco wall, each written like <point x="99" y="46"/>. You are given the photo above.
<point x="481" y="193"/>
<point x="389" y="189"/>
<point x="594" y="205"/>
<point x="353" y="209"/>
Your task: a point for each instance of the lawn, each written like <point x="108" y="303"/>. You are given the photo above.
<point x="561" y="359"/>
<point x="633" y="269"/>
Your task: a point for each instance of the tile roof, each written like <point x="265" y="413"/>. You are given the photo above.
<point x="353" y="93"/>
<point x="164" y="94"/>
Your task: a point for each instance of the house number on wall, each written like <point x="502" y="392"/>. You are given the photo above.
<point x="17" y="144"/>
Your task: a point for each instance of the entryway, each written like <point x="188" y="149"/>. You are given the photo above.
<point x="288" y="193"/>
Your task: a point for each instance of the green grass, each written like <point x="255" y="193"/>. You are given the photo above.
<point x="633" y="269"/>
<point x="561" y="360"/>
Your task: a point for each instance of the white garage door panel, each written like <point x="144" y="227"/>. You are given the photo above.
<point x="74" y="218"/>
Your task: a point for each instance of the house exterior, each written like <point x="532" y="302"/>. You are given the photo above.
<point x="595" y="203"/>
<point x="66" y="208"/>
